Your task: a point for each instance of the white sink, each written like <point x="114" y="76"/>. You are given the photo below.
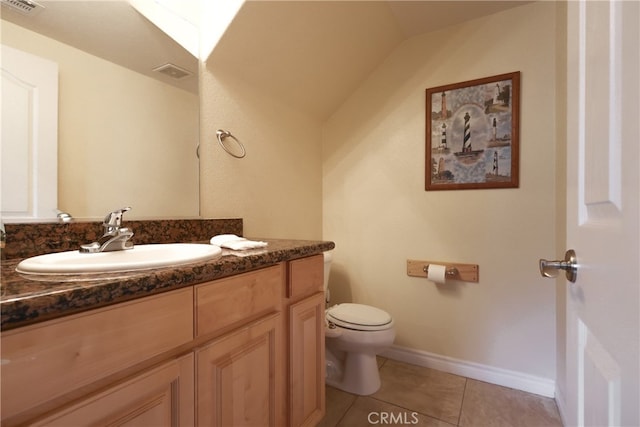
<point x="139" y="258"/>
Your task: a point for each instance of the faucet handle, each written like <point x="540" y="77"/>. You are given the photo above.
<point x="114" y="219"/>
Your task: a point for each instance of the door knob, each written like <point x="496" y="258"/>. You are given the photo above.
<point x="569" y="265"/>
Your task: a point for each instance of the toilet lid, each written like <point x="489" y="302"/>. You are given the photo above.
<point x="358" y="316"/>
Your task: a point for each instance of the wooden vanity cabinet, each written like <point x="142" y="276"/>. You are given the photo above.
<point x="271" y="371"/>
<point x="243" y="350"/>
<point x="240" y="378"/>
<point x="305" y="303"/>
<point x="239" y="368"/>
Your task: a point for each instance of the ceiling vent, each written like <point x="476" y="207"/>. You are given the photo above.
<point x="173" y="71"/>
<point x="26" y="7"/>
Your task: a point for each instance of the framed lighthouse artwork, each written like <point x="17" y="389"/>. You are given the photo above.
<point x="472" y="134"/>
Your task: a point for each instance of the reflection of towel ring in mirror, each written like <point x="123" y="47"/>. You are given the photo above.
<point x="222" y="135"/>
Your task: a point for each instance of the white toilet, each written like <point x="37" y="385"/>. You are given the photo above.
<point x="354" y="335"/>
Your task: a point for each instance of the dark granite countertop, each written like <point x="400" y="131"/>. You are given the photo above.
<point x="25" y="301"/>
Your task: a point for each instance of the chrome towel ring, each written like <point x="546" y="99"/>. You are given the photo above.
<point x="222" y="135"/>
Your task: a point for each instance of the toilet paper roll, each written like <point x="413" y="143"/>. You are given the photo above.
<point x="436" y="273"/>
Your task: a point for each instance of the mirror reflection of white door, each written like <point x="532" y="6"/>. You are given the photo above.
<point x="29" y="141"/>
<point x="603" y="188"/>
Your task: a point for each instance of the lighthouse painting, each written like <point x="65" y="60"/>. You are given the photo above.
<point x="472" y="134"/>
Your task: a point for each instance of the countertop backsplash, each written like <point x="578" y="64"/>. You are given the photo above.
<point x="30" y="239"/>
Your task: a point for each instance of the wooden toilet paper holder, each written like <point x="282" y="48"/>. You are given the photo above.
<point x="454" y="271"/>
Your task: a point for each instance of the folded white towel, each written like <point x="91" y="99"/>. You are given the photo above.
<point x="236" y="243"/>
<point x="242" y="245"/>
<point x="222" y="238"/>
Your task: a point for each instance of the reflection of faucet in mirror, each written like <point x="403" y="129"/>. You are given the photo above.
<point x="115" y="237"/>
<point x="3" y="236"/>
<point x="63" y="217"/>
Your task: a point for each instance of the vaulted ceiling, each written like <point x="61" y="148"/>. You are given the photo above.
<point x="313" y="54"/>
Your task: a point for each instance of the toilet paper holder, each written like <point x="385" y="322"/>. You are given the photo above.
<point x="449" y="272"/>
<point x="454" y="271"/>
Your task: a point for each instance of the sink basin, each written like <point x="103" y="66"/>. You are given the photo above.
<point x="139" y="258"/>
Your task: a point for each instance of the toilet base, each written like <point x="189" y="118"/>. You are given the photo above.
<point x="360" y="374"/>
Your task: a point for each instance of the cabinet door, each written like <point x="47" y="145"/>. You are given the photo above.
<point x="240" y="381"/>
<point x="307" y="366"/>
<point x="162" y="396"/>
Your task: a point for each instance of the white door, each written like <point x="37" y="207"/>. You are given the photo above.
<point x="29" y="141"/>
<point x="603" y="188"/>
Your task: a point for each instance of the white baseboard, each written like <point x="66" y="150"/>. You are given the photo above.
<point x="512" y="379"/>
<point x="562" y="406"/>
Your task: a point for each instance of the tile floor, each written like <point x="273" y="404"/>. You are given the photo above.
<point x="418" y="396"/>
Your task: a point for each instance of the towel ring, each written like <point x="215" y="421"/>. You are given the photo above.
<point x="222" y="135"/>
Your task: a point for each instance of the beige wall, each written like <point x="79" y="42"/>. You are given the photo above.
<point x="277" y="187"/>
<point x="376" y="209"/>
<point x="124" y="139"/>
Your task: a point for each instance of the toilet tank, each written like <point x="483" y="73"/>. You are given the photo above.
<point x="328" y="257"/>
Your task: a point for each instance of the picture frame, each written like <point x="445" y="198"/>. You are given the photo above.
<point x="472" y="134"/>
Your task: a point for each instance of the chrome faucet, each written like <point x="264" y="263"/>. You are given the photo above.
<point x="115" y="237"/>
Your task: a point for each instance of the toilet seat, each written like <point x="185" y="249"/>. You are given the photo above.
<point x="359" y="317"/>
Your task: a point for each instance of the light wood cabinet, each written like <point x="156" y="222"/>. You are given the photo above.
<point x="225" y="304"/>
<point x="243" y="350"/>
<point x="305" y="306"/>
<point x="305" y="277"/>
<point x="307" y="366"/>
<point x="48" y="360"/>
<point x="159" y="397"/>
<point x="240" y="380"/>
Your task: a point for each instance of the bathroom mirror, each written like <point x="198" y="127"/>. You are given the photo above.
<point x="128" y="108"/>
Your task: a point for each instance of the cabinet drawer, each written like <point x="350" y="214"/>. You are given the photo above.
<point x="47" y="360"/>
<point x="225" y="303"/>
<point x="306" y="276"/>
